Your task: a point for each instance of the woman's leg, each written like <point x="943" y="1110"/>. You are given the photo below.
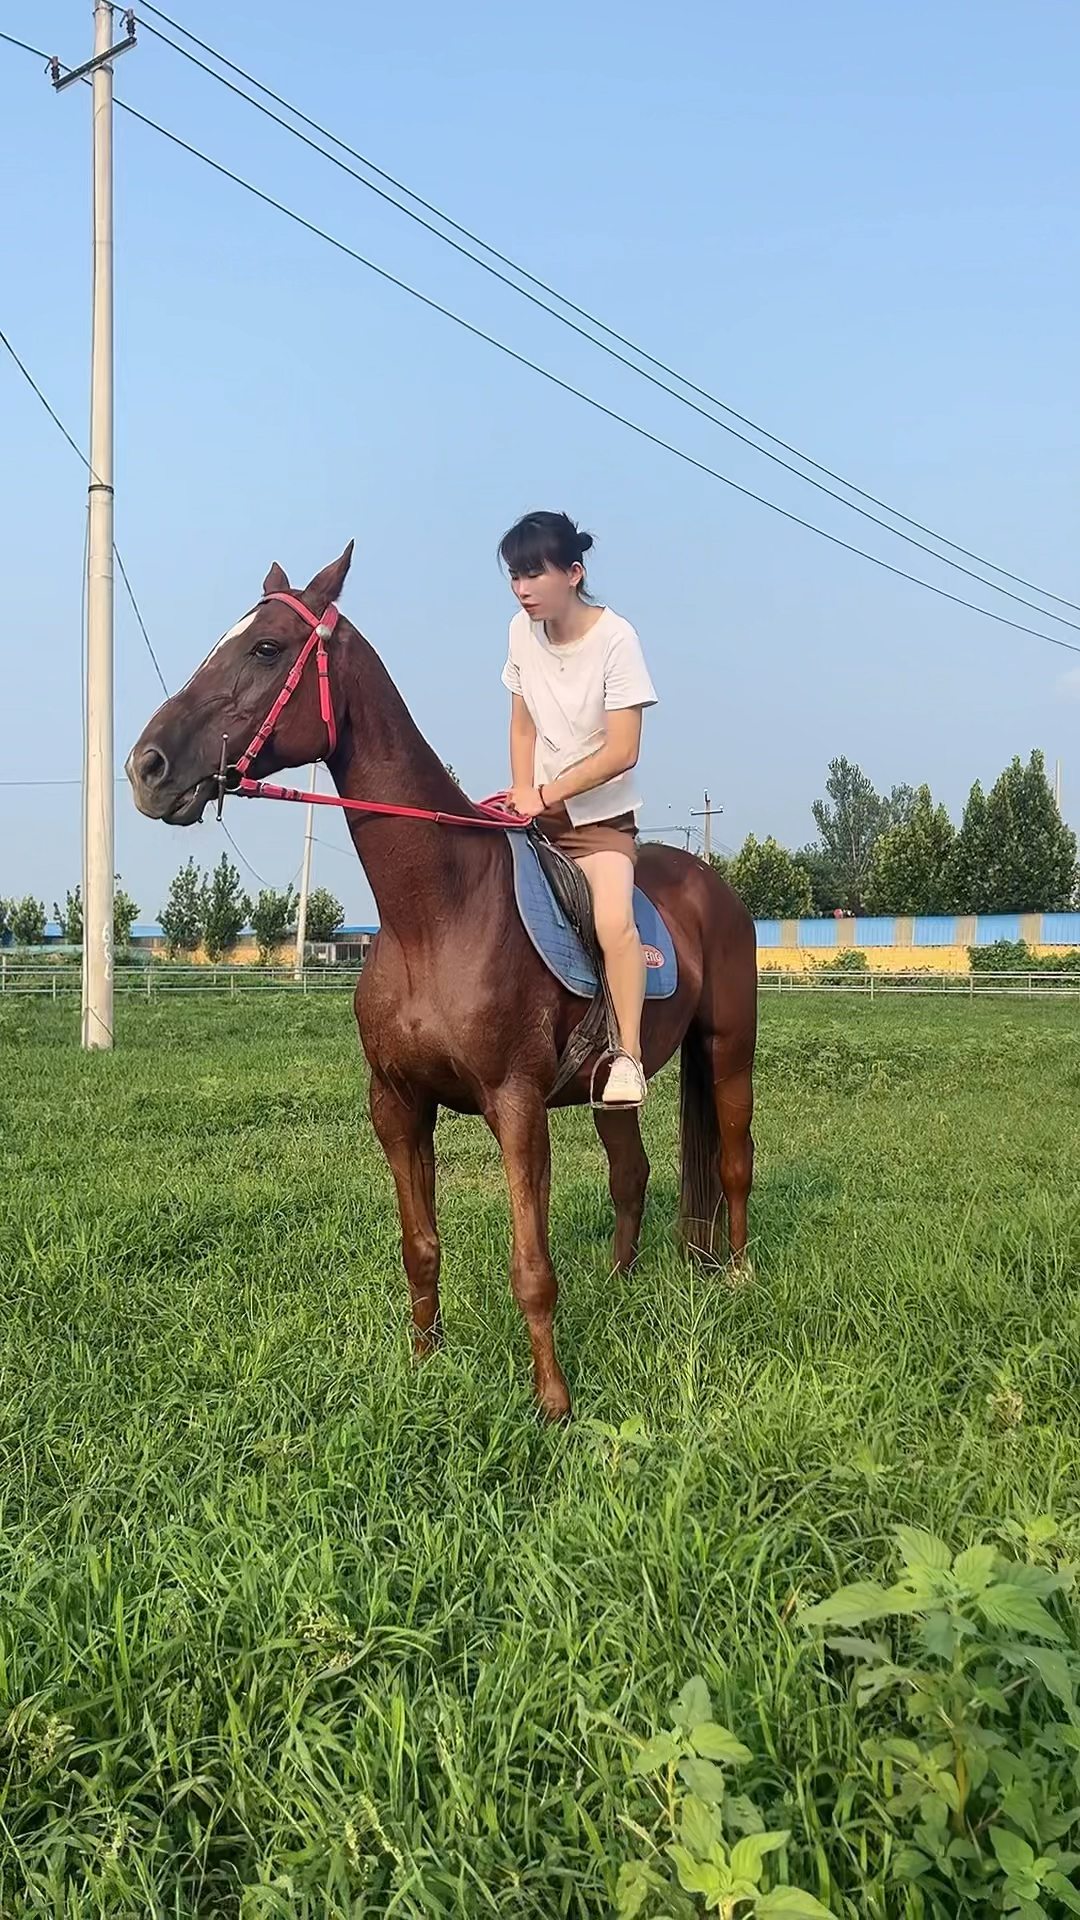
<point x="611" y="879"/>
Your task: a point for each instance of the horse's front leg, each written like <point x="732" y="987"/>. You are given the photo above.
<point x="405" y="1124"/>
<point x="518" y="1119"/>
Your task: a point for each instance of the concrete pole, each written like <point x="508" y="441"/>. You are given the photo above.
<point x="305" y="881"/>
<point x="98" y="791"/>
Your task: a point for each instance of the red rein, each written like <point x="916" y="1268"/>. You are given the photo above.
<point x="488" y="812"/>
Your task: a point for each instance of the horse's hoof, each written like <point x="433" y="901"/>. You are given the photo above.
<point x="554" y="1402"/>
<point x="426" y="1341"/>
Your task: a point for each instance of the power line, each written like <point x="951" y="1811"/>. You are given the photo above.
<point x="77" y="450"/>
<point x="135" y="607"/>
<point x="577" y="393"/>
<point x="24" y="46"/>
<point x="584" y="314"/>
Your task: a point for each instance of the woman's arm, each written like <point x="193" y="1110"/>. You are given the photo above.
<point x="523" y="797"/>
<point x="617" y="755"/>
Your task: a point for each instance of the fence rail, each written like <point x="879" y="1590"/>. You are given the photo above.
<point x="148" y="982"/>
<point x="1036" y="985"/>
<point x="158" y="978"/>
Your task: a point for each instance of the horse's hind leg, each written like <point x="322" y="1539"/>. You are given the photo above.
<point x="628" y="1170"/>
<point x="517" y="1117"/>
<point x="406" y="1130"/>
<point x="734" y="1098"/>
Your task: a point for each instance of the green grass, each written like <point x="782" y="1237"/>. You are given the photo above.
<point x="289" y="1627"/>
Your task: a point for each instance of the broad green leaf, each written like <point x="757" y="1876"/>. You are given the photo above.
<point x="634" y="1886"/>
<point x="908" y="1864"/>
<point x="974" y="1568"/>
<point x="1017" y="1806"/>
<point x="1013" y="1854"/>
<point x="716" y="1743"/>
<point x="657" y="1753"/>
<point x="944" y="1784"/>
<point x="695" y="1876"/>
<point x="1011" y="1606"/>
<point x="748" y="1855"/>
<point x="1039" y="1580"/>
<point x="1053" y="1670"/>
<point x="848" y="1606"/>
<point x="699" y="1826"/>
<point x="858" y="1649"/>
<point x="741" y="1815"/>
<point x="693" y="1704"/>
<point x="793" y="1903"/>
<point x="905" y="1597"/>
<point x="704" y="1779"/>
<point x="919" y="1549"/>
<point x="1065" y="1891"/>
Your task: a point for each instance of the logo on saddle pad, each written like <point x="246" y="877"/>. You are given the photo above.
<point x="653" y="956"/>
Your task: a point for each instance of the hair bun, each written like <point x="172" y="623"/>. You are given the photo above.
<point x="585" y="541"/>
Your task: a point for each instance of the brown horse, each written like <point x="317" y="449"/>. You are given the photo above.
<point x="454" y="1006"/>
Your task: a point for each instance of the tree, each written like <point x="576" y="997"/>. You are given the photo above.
<point x="271" y="917"/>
<point x="70" y="918"/>
<point x="183" y="917"/>
<point x="850" y="827"/>
<point x="324" y="914"/>
<point x="28" y="921"/>
<point x="769" y="881"/>
<point x="821" y="875"/>
<point x="1014" y="853"/>
<point x="7" y="908"/>
<point x="125" y="914"/>
<point x="910" y="870"/>
<point x="227" y="909"/>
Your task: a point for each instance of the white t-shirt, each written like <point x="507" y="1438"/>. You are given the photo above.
<point x="567" y="690"/>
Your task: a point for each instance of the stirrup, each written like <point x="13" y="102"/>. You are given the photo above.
<point x="617" y="1106"/>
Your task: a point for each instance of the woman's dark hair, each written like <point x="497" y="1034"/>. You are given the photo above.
<point x="543" y="540"/>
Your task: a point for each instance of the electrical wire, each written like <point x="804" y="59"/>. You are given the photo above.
<point x="77" y="450"/>
<point x="577" y="393"/>
<point x="594" y="321"/>
<point x="589" y="400"/>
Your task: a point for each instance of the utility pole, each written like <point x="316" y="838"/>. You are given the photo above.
<point x="98" y="792"/>
<point x="305" y="881"/>
<point x="707" y="816"/>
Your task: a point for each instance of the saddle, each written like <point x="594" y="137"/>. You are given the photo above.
<point x="554" y="903"/>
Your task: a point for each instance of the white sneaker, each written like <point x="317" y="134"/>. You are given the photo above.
<point x="626" y="1086"/>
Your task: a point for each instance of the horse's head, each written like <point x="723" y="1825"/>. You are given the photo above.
<point x="174" y="765"/>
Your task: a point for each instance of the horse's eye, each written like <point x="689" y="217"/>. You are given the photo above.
<point x="266" y="650"/>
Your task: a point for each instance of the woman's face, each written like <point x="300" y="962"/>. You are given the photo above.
<point x="548" y="595"/>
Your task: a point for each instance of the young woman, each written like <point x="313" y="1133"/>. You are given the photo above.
<point x="579" y="685"/>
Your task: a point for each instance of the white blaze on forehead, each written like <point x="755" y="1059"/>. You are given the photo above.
<point x="240" y="627"/>
<point x="233" y="634"/>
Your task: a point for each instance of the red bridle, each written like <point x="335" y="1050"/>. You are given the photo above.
<point x="234" y="778"/>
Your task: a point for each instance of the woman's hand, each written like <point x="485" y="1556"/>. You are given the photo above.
<point x="526" y="801"/>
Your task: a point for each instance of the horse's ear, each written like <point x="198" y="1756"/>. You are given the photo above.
<point x="327" y="585"/>
<point x="277" y="580"/>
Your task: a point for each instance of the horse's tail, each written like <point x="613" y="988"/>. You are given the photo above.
<point x="700" y="1194"/>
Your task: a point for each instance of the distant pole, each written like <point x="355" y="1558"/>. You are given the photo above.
<point x="707" y="816"/>
<point x="98" y="793"/>
<point x="97" y="1001"/>
<point x="305" y="881"/>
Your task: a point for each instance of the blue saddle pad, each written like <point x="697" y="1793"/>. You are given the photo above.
<point x="557" y="943"/>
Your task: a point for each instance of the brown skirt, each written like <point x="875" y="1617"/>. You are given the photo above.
<point x="597" y="836"/>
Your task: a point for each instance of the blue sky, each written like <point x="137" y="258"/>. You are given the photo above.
<point x="856" y="224"/>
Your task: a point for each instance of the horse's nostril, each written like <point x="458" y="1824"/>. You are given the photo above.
<point x="151" y="765"/>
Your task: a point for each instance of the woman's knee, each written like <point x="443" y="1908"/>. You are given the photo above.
<point x="615" y="927"/>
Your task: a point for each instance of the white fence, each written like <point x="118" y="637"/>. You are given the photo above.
<point x="968" y="986"/>
<point x="148" y="982"/>
<point x="158" y="978"/>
